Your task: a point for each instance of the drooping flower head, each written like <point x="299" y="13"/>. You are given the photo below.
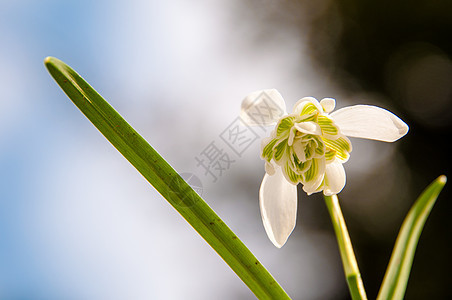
<point x="309" y="146"/>
<point x="304" y="143"/>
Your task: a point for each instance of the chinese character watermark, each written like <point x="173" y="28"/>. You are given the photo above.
<point x="183" y="196"/>
<point x="220" y="154"/>
<point x="214" y="161"/>
<point x="239" y="136"/>
<point x="263" y="108"/>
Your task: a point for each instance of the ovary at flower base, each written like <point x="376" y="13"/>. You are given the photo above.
<point x="309" y="146"/>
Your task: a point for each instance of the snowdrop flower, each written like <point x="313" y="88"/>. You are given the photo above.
<point x="308" y="146"/>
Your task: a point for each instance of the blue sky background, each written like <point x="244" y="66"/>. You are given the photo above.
<point x="76" y="220"/>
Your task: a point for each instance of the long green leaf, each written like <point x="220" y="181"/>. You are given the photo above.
<point x="398" y="271"/>
<point x="166" y="181"/>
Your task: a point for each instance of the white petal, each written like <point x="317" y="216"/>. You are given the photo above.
<point x="266" y="140"/>
<point x="298" y="107"/>
<point x="314" y="185"/>
<point x="292" y="133"/>
<point x="264" y="108"/>
<point x="369" y="122"/>
<point x="298" y="149"/>
<point x="278" y="204"/>
<point x="270" y="168"/>
<point x="308" y="128"/>
<point x="328" y="104"/>
<point x="334" y="178"/>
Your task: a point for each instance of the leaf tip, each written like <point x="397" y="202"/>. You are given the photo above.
<point x="51" y="61"/>
<point x="442" y="179"/>
<point x="48" y="60"/>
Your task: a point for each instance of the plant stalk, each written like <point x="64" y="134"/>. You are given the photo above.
<point x="351" y="270"/>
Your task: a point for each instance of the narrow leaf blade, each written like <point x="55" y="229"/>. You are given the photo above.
<point x="166" y="181"/>
<point x="398" y="271"/>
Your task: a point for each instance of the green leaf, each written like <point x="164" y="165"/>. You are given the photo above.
<point x="398" y="271"/>
<point x="166" y="181"/>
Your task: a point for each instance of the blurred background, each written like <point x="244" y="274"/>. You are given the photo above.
<point x="78" y="222"/>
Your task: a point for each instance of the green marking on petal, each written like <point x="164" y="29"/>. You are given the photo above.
<point x="284" y="126"/>
<point x="303" y="166"/>
<point x="268" y="151"/>
<point x="330" y="155"/>
<point x="319" y="151"/>
<point x="313" y="170"/>
<point x="320" y="146"/>
<point x="291" y="175"/>
<point x="342" y="146"/>
<point x="309" y="108"/>
<point x="309" y="150"/>
<point x="309" y="118"/>
<point x="281" y="149"/>
<point x="327" y="125"/>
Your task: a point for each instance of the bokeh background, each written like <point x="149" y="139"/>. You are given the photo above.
<point x="78" y="222"/>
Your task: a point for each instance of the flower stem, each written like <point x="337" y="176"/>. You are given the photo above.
<point x="352" y="274"/>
